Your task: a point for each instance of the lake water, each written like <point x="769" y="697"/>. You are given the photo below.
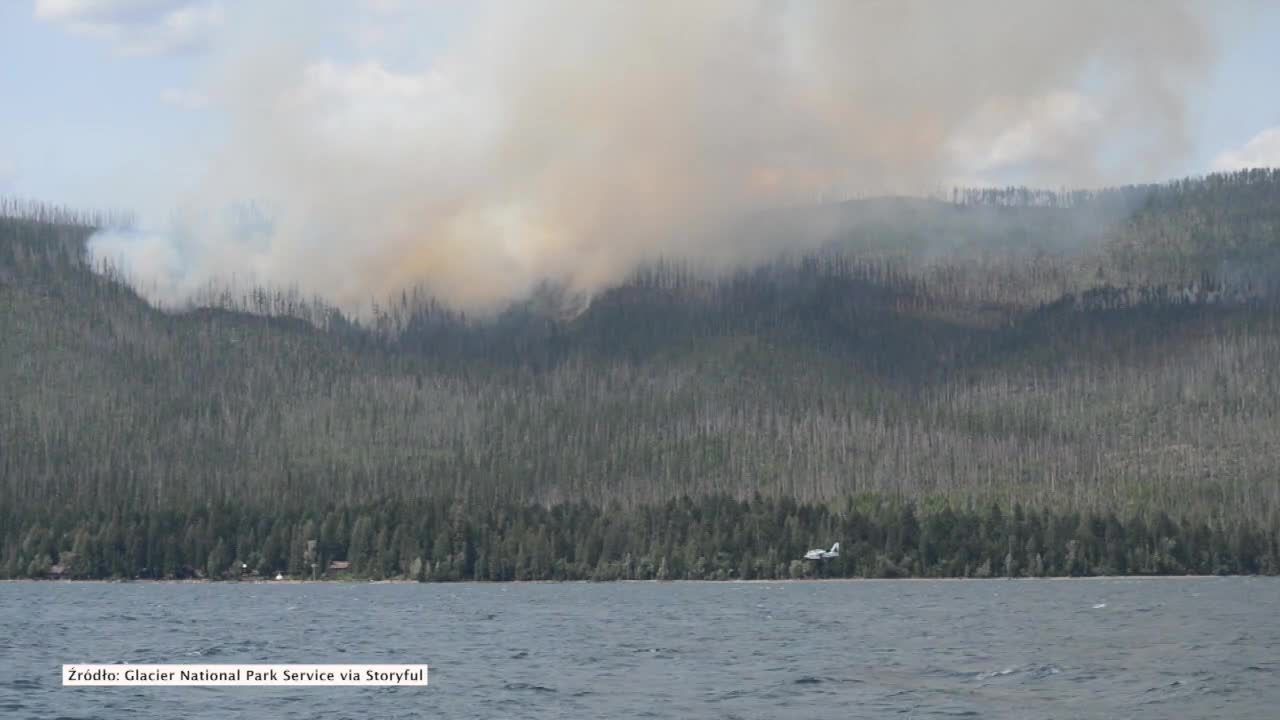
<point x="1105" y="648"/>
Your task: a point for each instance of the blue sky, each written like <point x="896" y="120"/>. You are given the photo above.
<point x="85" y="125"/>
<point x="1239" y="102"/>
<point x="107" y="106"/>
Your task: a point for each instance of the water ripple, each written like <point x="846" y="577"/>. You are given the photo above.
<point x="1027" y="649"/>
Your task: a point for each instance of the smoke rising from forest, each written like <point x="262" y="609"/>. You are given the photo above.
<point x="570" y="141"/>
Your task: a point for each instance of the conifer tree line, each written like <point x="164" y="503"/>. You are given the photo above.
<point x="1095" y="353"/>
<point x="713" y="537"/>
<point x="27" y="210"/>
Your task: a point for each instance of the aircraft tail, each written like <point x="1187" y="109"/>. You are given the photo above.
<point x="836" y="548"/>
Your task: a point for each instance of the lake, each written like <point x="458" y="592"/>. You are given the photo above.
<point x="1098" y="648"/>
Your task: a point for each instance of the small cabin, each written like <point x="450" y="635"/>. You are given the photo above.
<point x="57" y="572"/>
<point x="338" y="567"/>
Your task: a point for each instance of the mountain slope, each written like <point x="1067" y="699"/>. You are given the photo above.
<point x="1053" y="375"/>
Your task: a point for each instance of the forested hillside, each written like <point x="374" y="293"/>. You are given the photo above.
<point x="1108" y="358"/>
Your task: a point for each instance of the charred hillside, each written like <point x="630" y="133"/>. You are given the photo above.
<point x="1111" y="350"/>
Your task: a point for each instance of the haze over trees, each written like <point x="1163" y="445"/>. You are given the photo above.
<point x="961" y="386"/>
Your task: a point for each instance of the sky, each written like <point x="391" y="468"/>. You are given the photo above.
<point x="463" y="137"/>
<point x="107" y="103"/>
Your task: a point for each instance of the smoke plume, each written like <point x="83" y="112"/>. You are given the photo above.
<point x="569" y="141"/>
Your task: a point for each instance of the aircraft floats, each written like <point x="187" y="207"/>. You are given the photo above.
<point x="820" y="554"/>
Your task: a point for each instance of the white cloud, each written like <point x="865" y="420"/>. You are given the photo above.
<point x="371" y="109"/>
<point x="103" y="11"/>
<point x="1053" y="129"/>
<point x="138" y="27"/>
<point x="1263" y="150"/>
<point x="185" y="99"/>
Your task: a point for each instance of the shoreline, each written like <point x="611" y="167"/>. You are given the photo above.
<point x="259" y="582"/>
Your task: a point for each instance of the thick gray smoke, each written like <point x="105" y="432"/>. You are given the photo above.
<point x="569" y="141"/>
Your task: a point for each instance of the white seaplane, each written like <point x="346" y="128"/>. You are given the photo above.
<point x="820" y="554"/>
